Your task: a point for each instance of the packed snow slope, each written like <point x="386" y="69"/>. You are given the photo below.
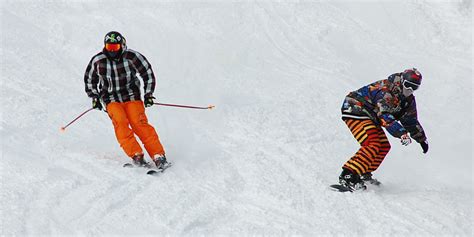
<point x="261" y="162"/>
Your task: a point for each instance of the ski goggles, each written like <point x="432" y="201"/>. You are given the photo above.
<point x="410" y="85"/>
<point x="112" y="47"/>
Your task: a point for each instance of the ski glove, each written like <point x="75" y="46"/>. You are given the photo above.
<point x="149" y="101"/>
<point x="96" y="104"/>
<point x="424" y="146"/>
<point x="405" y="139"/>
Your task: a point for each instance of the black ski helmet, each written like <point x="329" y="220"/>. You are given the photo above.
<point x="114" y="37"/>
<point x="411" y="78"/>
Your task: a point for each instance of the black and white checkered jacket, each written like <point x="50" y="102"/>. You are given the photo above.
<point x="117" y="80"/>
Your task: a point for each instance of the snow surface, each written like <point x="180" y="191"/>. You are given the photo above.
<point x="261" y="162"/>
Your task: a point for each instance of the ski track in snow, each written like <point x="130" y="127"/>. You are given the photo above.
<point x="262" y="161"/>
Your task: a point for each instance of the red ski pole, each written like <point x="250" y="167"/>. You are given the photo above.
<point x="185" y="106"/>
<point x="64" y="128"/>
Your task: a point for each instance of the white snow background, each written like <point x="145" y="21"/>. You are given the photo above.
<point x="258" y="164"/>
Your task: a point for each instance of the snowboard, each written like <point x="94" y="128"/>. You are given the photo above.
<point x="339" y="188"/>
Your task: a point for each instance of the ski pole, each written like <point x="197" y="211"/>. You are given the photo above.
<point x="64" y="128"/>
<point x="185" y="106"/>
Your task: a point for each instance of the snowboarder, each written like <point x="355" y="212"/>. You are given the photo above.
<point x="388" y="104"/>
<point x="111" y="80"/>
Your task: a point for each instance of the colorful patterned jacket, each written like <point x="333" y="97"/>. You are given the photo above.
<point x="384" y="103"/>
<point x="116" y="80"/>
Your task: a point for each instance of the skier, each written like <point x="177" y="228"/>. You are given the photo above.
<point x="390" y="104"/>
<point x="111" y="80"/>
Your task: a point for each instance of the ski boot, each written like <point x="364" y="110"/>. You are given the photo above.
<point x="351" y="181"/>
<point x="160" y="161"/>
<point x="139" y="160"/>
<point x="367" y="178"/>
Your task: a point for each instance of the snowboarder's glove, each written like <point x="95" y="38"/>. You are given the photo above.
<point x="405" y="139"/>
<point x="149" y="100"/>
<point x="96" y="104"/>
<point x="424" y="146"/>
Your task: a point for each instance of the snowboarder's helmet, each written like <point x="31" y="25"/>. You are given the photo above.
<point x="114" y="41"/>
<point x="411" y="79"/>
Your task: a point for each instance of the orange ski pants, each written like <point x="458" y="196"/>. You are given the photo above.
<point x="129" y="119"/>
<point x="374" y="146"/>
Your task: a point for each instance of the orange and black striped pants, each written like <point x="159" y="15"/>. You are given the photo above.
<point x="374" y="146"/>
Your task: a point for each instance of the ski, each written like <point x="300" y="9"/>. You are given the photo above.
<point x="160" y="170"/>
<point x="151" y="171"/>
<point x="128" y="165"/>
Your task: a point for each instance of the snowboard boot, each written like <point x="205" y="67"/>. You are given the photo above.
<point x="160" y="161"/>
<point x="139" y="160"/>
<point x="351" y="180"/>
<point x="367" y="178"/>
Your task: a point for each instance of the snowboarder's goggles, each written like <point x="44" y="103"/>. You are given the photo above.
<point x="410" y="85"/>
<point x="112" y="47"/>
